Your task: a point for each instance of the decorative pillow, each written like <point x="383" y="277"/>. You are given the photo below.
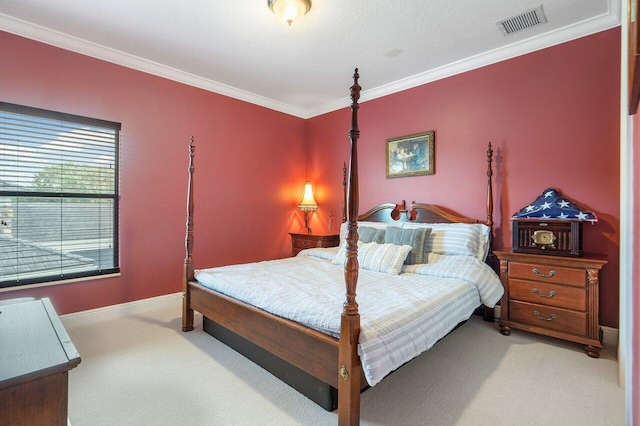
<point x="466" y="239"/>
<point x="367" y="234"/>
<point x="341" y="256"/>
<point x="367" y="224"/>
<point x="387" y="258"/>
<point x="412" y="237"/>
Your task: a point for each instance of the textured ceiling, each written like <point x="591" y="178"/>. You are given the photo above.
<point x="239" y="49"/>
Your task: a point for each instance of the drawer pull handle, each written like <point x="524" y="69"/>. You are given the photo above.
<point x="305" y="244"/>
<point x="550" y="294"/>
<point x="540" y="274"/>
<point x="551" y="318"/>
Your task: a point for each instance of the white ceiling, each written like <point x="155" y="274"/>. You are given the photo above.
<point x="239" y="49"/>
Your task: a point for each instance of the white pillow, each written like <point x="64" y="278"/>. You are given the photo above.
<point x="341" y="256"/>
<point x="462" y="239"/>
<point x="387" y="258"/>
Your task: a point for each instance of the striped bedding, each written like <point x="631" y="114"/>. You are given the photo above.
<point x="401" y="315"/>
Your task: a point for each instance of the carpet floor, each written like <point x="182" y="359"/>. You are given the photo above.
<point x="140" y="369"/>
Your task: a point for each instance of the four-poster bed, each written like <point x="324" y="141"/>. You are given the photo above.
<point x="335" y="352"/>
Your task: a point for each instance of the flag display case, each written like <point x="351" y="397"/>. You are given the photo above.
<point x="554" y="237"/>
<point x="550" y="225"/>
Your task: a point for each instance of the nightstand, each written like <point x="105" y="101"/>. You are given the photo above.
<point x="305" y="241"/>
<point x="552" y="295"/>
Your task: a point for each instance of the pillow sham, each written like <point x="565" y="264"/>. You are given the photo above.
<point x="367" y="224"/>
<point x="386" y="258"/>
<point x="415" y="238"/>
<point x="462" y="239"/>
<point x="367" y="234"/>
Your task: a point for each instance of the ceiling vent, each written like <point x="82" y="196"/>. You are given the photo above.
<point x="527" y="19"/>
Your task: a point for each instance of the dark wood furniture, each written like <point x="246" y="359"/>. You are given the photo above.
<point x="305" y="241"/>
<point x="332" y="361"/>
<point x="36" y="354"/>
<point x="552" y="295"/>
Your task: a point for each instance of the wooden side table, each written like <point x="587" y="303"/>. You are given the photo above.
<point x="305" y="241"/>
<point x="552" y="295"/>
<point x="36" y="354"/>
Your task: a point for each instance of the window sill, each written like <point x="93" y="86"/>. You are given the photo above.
<point x="53" y="283"/>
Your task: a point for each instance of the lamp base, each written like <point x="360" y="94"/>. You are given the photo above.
<point x="306" y="222"/>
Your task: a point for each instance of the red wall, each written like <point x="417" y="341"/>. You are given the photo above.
<point x="553" y="119"/>
<point x="250" y="169"/>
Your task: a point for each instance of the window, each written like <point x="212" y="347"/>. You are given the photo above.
<point x="58" y="196"/>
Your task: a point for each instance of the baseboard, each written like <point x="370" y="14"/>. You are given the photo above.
<point x="112" y="312"/>
<point x="609" y="336"/>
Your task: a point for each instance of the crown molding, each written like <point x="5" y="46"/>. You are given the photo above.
<point x="605" y="21"/>
<point x="94" y="50"/>
<point x="596" y="24"/>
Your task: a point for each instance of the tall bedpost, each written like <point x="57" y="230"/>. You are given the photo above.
<point x="187" y="312"/>
<point x="349" y="362"/>
<point x="489" y="313"/>
<point x="344" y="192"/>
<point x="490" y="259"/>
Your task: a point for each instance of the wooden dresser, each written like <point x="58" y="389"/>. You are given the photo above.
<point x="305" y="241"/>
<point x="552" y="295"/>
<point x="35" y="357"/>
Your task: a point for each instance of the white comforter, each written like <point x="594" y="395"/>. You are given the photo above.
<point x="401" y="315"/>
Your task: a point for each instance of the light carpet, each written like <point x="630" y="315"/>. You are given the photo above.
<point x="142" y="370"/>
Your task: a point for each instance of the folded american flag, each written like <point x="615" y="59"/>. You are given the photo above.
<point x="552" y="205"/>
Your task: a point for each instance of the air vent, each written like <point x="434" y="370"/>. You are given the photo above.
<point x="527" y="19"/>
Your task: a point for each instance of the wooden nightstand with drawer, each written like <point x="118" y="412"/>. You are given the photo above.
<point x="305" y="241"/>
<point x="552" y="295"/>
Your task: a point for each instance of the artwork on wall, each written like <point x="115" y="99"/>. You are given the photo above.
<point x="411" y="155"/>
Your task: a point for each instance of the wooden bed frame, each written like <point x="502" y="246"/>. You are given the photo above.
<point x="334" y="361"/>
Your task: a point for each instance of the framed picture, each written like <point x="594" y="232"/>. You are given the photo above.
<point x="411" y="155"/>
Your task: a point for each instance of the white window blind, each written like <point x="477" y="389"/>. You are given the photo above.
<point x="58" y="196"/>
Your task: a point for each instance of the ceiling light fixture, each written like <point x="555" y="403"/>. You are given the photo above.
<point x="289" y="11"/>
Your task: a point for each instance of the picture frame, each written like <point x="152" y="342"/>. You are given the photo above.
<point x="411" y="155"/>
